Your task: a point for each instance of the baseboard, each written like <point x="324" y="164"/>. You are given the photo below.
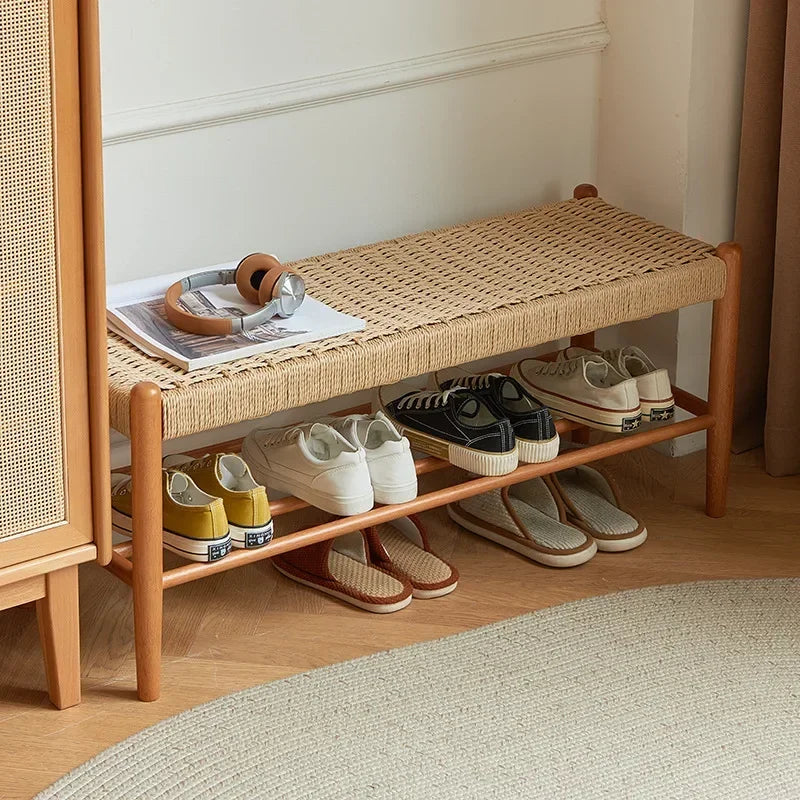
<point x="278" y="98"/>
<point x="688" y="444"/>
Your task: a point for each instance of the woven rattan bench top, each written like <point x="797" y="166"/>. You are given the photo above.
<point x="438" y="299"/>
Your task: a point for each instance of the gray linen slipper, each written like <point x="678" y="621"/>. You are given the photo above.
<point x="593" y="504"/>
<point x="528" y="518"/>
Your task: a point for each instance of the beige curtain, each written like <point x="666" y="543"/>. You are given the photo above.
<point x="768" y="228"/>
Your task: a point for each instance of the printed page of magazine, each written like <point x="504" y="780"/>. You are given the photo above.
<point x="135" y="310"/>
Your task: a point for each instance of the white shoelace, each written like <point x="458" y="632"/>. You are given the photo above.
<point x="191" y="466"/>
<point x="282" y="435"/>
<point x="558" y="367"/>
<point x="426" y="399"/>
<point x="475" y="381"/>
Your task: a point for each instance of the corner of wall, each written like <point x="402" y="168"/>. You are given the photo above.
<point x="670" y="106"/>
<point x="715" y="99"/>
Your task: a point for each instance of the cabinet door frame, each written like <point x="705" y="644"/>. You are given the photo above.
<point x="77" y="529"/>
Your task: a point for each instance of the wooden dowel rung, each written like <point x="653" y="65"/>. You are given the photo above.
<point x="689" y="402"/>
<point x="121" y="567"/>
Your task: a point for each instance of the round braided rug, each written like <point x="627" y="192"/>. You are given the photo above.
<point x="688" y="691"/>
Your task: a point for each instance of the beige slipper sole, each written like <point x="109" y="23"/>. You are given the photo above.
<point x="528" y="519"/>
<point x="342" y="568"/>
<point x="593" y="504"/>
<point x="364" y="580"/>
<point x="498" y="536"/>
<point x="429" y="575"/>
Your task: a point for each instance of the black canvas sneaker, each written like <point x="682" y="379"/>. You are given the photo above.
<point x="454" y="425"/>
<point x="532" y="423"/>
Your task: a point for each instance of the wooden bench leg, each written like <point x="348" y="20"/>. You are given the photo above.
<point x="583" y="190"/>
<point x="581" y="435"/>
<point x="148" y="565"/>
<point x="721" y="382"/>
<point x="59" y="631"/>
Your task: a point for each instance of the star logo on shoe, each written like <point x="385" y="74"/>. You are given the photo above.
<point x="661" y="415"/>
<point x="631" y="424"/>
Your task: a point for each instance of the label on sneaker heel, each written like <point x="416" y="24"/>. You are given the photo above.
<point x="258" y="538"/>
<point x="218" y="551"/>
<point x="631" y="423"/>
<point x="662" y="414"/>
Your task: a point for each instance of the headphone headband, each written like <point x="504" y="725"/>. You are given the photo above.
<point x="260" y="279"/>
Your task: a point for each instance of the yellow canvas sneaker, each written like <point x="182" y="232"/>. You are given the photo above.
<point x="194" y="523"/>
<point x="228" y="477"/>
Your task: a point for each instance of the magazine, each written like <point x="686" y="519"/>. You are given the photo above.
<point x="135" y="310"/>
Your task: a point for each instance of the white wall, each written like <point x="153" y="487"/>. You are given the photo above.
<point x="511" y="131"/>
<point x="644" y="102"/>
<point x="200" y="48"/>
<point x="715" y="111"/>
<point x="670" y="113"/>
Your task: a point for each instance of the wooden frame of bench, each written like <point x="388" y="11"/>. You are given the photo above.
<point x="140" y="563"/>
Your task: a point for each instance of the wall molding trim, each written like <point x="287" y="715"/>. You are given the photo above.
<point x="203" y="112"/>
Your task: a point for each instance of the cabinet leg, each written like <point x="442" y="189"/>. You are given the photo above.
<point x="59" y="631"/>
<point x="148" y="567"/>
<point x="721" y="382"/>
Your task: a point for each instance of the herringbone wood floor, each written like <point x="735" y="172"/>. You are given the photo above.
<point x="251" y="625"/>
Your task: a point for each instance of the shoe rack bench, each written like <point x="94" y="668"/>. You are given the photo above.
<point x="475" y="291"/>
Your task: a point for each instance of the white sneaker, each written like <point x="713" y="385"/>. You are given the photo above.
<point x="587" y="389"/>
<point x="655" y="388"/>
<point x="389" y="459"/>
<point x="313" y="462"/>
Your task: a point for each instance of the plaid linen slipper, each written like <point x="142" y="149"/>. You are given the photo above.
<point x="530" y="519"/>
<point x="402" y="548"/>
<point x="343" y="568"/>
<point x="593" y="504"/>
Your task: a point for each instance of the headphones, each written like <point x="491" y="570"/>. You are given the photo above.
<point x="260" y="278"/>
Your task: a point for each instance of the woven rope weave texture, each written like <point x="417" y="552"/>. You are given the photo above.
<point x="442" y="298"/>
<point x="31" y="409"/>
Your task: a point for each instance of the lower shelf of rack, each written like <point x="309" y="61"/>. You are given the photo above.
<point x="122" y="566"/>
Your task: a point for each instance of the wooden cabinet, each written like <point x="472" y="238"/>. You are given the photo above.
<point x="54" y="509"/>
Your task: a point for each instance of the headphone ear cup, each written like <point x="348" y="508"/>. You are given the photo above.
<point x="251" y="276"/>
<point x="268" y="284"/>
